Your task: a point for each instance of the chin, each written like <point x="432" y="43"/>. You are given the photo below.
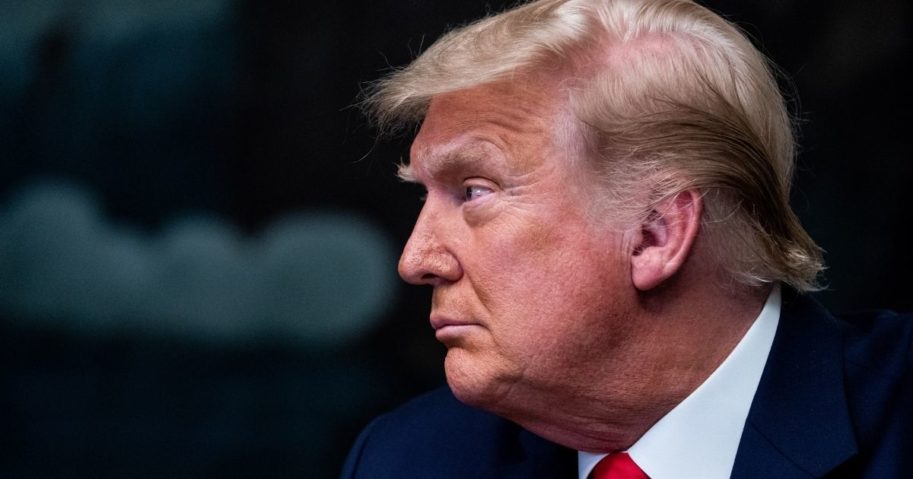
<point x="476" y="381"/>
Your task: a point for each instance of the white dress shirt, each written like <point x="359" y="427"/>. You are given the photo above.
<point x="699" y="438"/>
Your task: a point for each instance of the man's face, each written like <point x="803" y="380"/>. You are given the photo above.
<point x="529" y="279"/>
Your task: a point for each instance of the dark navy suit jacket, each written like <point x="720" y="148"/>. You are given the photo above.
<point x="835" y="400"/>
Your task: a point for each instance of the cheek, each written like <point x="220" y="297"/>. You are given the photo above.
<point x="516" y="267"/>
<point x="536" y="283"/>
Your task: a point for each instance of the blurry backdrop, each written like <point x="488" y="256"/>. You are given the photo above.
<point x="198" y="232"/>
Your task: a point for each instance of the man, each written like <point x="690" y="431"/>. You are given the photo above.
<point x="616" y="271"/>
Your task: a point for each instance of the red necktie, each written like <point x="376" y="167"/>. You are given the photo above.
<point x="617" y="465"/>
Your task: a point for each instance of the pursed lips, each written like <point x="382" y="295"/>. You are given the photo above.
<point x="440" y="323"/>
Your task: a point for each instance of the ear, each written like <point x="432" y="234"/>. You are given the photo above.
<point x="665" y="239"/>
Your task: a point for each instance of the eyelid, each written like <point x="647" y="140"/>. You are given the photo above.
<point x="475" y="182"/>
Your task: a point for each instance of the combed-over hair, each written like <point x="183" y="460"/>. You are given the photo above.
<point x="668" y="94"/>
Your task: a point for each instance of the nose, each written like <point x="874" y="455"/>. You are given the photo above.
<point x="426" y="258"/>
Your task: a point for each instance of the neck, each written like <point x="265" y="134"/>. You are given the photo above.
<point x="677" y="338"/>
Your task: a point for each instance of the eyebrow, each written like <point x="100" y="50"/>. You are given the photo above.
<point x="438" y="165"/>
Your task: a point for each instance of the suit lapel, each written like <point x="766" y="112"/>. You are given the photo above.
<point x="799" y="425"/>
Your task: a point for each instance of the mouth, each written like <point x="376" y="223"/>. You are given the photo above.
<point x="448" y="329"/>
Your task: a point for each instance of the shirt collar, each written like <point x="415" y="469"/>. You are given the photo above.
<point x="700" y="436"/>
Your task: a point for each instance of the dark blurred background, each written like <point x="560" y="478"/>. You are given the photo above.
<point x="198" y="232"/>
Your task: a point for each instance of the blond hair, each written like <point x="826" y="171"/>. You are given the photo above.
<point x="667" y="94"/>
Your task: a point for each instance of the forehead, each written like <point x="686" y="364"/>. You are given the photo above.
<point x="517" y="118"/>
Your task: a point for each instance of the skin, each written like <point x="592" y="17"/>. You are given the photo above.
<point x="555" y="316"/>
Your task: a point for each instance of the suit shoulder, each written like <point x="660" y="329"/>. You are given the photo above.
<point x="433" y="432"/>
<point x="879" y="343"/>
<point x="879" y="384"/>
<point x="427" y="416"/>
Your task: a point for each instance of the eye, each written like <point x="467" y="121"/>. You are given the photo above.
<point x="473" y="192"/>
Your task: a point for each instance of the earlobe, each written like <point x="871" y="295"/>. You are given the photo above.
<point x="665" y="239"/>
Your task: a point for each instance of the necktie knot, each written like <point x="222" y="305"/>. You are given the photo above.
<point x="617" y="465"/>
